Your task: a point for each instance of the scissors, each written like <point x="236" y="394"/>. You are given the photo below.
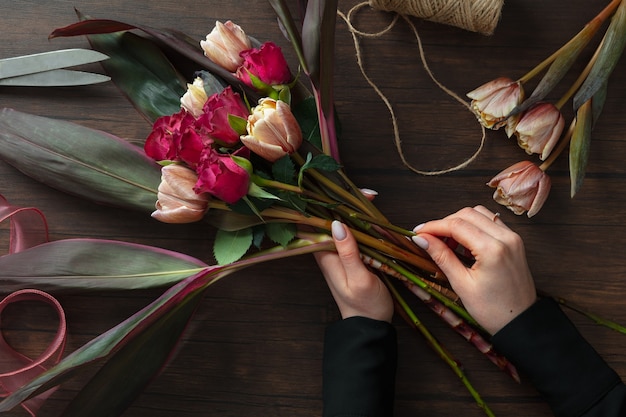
<point x="46" y="69"/>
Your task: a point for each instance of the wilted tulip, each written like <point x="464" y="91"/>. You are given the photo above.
<point x="521" y="187"/>
<point x="493" y="102"/>
<point x="539" y="129"/>
<point x="177" y="201"/>
<point x="224" y="44"/>
<point x="195" y="97"/>
<point x="273" y="131"/>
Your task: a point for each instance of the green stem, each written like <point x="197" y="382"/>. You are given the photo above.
<point x="437" y="347"/>
<point x="580" y="80"/>
<point x="591" y="316"/>
<point x="589" y="30"/>
<point x="417" y="280"/>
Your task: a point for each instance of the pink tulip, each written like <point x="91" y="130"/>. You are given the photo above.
<point x="177" y="201"/>
<point x="224" y="44"/>
<point x="267" y="64"/>
<point x="214" y="120"/>
<point x="521" y="187"/>
<point x="221" y="176"/>
<point x="273" y="131"/>
<point x="539" y="129"/>
<point x="493" y="102"/>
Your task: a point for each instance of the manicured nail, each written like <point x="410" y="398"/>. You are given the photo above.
<point x="418" y="227"/>
<point x="339" y="232"/>
<point x="420" y="241"/>
<point x="368" y="191"/>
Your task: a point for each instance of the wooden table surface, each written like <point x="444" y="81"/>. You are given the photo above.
<point x="255" y="346"/>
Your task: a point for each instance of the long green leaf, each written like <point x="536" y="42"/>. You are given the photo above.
<point x="293" y="33"/>
<point x="610" y="52"/>
<point x="579" y="146"/>
<point x="122" y="378"/>
<point x="85" y="162"/>
<point x="94" y="263"/>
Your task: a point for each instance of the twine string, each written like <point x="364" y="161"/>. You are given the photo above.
<point x="356" y="35"/>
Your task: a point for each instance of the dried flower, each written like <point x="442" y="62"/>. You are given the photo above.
<point x="177" y="201"/>
<point x="494" y="101"/>
<point x="539" y="129"/>
<point x="195" y="97"/>
<point x="521" y="187"/>
<point x="273" y="131"/>
<point x="224" y="44"/>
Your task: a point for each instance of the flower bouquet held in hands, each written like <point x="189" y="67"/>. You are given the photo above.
<point x="242" y="145"/>
<point x="539" y="125"/>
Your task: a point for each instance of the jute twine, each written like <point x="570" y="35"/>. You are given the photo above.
<point x="480" y="16"/>
<point x="358" y="34"/>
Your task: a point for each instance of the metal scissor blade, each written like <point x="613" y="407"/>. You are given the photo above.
<point x="46" y="61"/>
<point x="54" y="78"/>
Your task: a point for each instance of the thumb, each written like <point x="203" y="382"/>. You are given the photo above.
<point x="442" y="255"/>
<point x="346" y="246"/>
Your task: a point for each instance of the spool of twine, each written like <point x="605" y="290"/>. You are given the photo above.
<point x="480" y="16"/>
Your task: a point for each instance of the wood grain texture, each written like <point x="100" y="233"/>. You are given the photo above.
<point x="254" y="347"/>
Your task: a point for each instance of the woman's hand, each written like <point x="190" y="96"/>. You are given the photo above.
<point x="499" y="285"/>
<point x="355" y="289"/>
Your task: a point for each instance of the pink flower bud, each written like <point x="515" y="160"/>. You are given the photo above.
<point x="539" y="129"/>
<point x="521" y="187"/>
<point x="493" y="102"/>
<point x="273" y="131"/>
<point x="221" y="176"/>
<point x="224" y="44"/>
<point x="266" y="63"/>
<point x="214" y="119"/>
<point x="177" y="201"/>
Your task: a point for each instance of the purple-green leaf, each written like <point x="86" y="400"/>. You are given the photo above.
<point x="95" y="264"/>
<point x="579" y="146"/>
<point x="78" y="160"/>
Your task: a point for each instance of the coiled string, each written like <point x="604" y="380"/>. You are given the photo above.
<point x="454" y="12"/>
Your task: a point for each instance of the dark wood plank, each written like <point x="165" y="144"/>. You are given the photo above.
<point x="255" y="345"/>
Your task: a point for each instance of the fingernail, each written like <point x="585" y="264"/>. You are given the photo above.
<point x="418" y="227"/>
<point x="339" y="232"/>
<point x="420" y="241"/>
<point x="368" y="191"/>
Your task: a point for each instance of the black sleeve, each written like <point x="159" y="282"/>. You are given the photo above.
<point x="575" y="381"/>
<point x="360" y="358"/>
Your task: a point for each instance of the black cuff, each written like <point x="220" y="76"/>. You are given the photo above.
<point x="360" y="358"/>
<point x="545" y="345"/>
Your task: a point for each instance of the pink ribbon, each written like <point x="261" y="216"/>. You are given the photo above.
<point x="28" y="228"/>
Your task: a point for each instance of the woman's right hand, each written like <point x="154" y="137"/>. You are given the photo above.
<point x="499" y="285"/>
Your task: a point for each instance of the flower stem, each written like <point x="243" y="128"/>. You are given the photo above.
<point x="412" y="318"/>
<point x="579" y="81"/>
<point x="588" y="31"/>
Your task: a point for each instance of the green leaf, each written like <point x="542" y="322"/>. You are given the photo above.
<point x="80" y="161"/>
<point x="231" y="246"/>
<point x="95" y="264"/>
<point x="610" y="52"/>
<point x="284" y="170"/>
<point x="579" y="147"/>
<point x="305" y="113"/>
<point x="258" y="192"/>
<point x="239" y="124"/>
<point x="323" y="163"/>
<point x="123" y="377"/>
<point x="142" y="72"/>
<point x="291" y="29"/>
<point x="281" y="233"/>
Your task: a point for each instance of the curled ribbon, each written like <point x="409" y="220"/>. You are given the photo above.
<point x="28" y="229"/>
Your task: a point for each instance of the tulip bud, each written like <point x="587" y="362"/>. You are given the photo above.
<point x="273" y="131"/>
<point x="224" y="44"/>
<point x="494" y="101"/>
<point x="195" y="97"/>
<point x="539" y="129"/>
<point x="177" y="201"/>
<point x="521" y="187"/>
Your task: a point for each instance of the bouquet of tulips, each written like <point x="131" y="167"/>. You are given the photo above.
<point x="242" y="145"/>
<point x="539" y="125"/>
